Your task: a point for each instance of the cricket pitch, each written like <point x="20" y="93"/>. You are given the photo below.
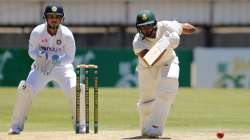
<point x="127" y="134"/>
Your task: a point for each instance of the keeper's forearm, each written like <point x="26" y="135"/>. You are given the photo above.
<point x="33" y="54"/>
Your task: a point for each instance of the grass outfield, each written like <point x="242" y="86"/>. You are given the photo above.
<point x="194" y="109"/>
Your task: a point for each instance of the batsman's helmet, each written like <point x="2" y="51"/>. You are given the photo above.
<point x="145" y="18"/>
<point x="53" y="9"/>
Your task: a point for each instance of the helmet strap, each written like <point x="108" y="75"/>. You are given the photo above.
<point x="142" y="34"/>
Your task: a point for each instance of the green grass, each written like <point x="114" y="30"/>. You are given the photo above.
<point x="193" y="109"/>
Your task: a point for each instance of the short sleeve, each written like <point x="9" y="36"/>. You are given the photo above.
<point x="138" y="45"/>
<point x="173" y="26"/>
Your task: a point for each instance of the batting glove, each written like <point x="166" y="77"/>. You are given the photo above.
<point x="174" y="39"/>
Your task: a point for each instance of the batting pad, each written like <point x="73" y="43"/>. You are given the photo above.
<point x="157" y="119"/>
<point x="144" y="109"/>
<point x="24" y="98"/>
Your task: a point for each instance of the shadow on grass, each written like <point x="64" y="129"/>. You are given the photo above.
<point x="143" y="137"/>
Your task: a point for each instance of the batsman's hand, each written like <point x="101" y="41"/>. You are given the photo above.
<point x="174" y="38"/>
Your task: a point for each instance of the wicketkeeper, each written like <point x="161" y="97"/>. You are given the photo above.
<point x="158" y="69"/>
<point x="52" y="47"/>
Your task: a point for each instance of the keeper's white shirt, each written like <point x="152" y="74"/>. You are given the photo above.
<point x="62" y="44"/>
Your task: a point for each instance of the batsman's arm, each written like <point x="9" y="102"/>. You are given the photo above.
<point x="180" y="28"/>
<point x="187" y="28"/>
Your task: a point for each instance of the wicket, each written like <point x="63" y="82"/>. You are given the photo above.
<point x="86" y="69"/>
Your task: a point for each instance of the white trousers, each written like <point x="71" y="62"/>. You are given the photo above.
<point x="65" y="77"/>
<point x="157" y="90"/>
<point x="35" y="82"/>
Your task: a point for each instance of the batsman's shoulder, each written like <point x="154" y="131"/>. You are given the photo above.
<point x="137" y="38"/>
<point x="138" y="44"/>
<point x="135" y="42"/>
<point x="168" y="23"/>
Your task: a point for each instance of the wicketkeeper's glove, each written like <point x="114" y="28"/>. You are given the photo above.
<point x="56" y="59"/>
<point x="42" y="56"/>
<point x="40" y="62"/>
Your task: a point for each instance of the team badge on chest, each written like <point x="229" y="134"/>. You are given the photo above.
<point x="58" y="42"/>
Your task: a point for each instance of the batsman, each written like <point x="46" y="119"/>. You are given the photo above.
<point x="52" y="47"/>
<point x="158" y="69"/>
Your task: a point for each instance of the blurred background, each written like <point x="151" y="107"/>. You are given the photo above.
<point x="217" y="55"/>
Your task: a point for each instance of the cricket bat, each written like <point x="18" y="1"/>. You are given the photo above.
<point x="156" y="50"/>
